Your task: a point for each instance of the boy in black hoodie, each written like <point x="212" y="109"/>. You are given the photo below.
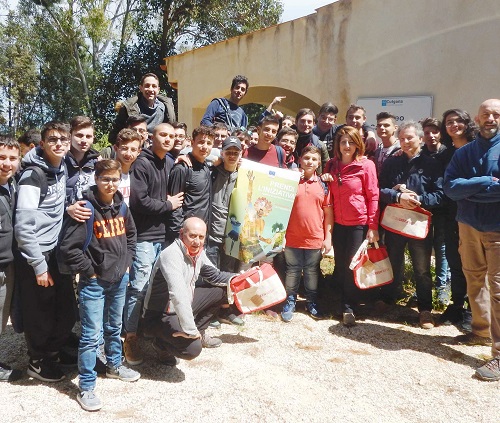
<point x="102" y="286"/>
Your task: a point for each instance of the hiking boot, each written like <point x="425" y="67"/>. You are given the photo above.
<point x="208" y="341"/>
<point x="7" y="374"/>
<point x="164" y="357"/>
<point x="123" y="373"/>
<point x="89" y="401"/>
<point x="490" y="371"/>
<point x="312" y="309"/>
<point x="132" y="350"/>
<point x="473" y="339"/>
<point x="426" y="320"/>
<point x="288" y="309"/>
<point x="348" y="319"/>
<point x="45" y="370"/>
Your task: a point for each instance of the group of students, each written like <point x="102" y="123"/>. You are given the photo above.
<point x="102" y="220"/>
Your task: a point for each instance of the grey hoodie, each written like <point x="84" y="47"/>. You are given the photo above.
<point x="37" y="225"/>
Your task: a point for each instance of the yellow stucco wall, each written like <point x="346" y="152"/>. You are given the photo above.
<point x="354" y="48"/>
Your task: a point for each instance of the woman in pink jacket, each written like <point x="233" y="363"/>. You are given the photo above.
<point x="353" y="182"/>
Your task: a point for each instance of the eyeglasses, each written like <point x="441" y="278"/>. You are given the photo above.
<point x="55" y="140"/>
<point x="107" y="180"/>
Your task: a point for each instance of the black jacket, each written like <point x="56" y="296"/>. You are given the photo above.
<point x="112" y="247"/>
<point x="148" y="195"/>
<point x="6" y="228"/>
<point x="196" y="183"/>
<point x="80" y="175"/>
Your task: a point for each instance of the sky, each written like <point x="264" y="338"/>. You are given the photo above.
<point x="294" y="9"/>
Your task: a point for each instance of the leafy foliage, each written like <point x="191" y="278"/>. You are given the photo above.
<point x="80" y="56"/>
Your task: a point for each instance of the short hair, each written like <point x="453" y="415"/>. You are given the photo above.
<point x="411" y="124"/>
<point x="239" y="79"/>
<point x="252" y="129"/>
<point x="180" y="125"/>
<point x="149" y="75"/>
<point x="269" y="119"/>
<point x="127" y="135"/>
<point x="31" y="136"/>
<point x="386" y="115"/>
<point x="287" y="131"/>
<point x="107" y="165"/>
<point x="288" y="117"/>
<point x="54" y="125"/>
<point x="328" y="108"/>
<point x="353" y="134"/>
<point x="430" y="121"/>
<point x="79" y="122"/>
<point x="217" y="126"/>
<point x="311" y="149"/>
<point x="470" y="126"/>
<point x="204" y="130"/>
<point x="135" y="119"/>
<point x="245" y="132"/>
<point x="355" y="107"/>
<point x="9" y="142"/>
<point x="303" y="112"/>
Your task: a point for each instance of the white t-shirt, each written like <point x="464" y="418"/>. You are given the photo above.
<point x="124" y="187"/>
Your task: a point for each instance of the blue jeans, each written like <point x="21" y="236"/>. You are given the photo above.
<point x="301" y="261"/>
<point x="101" y="309"/>
<point x="146" y="254"/>
<point x="438" y="228"/>
<point x="420" y="254"/>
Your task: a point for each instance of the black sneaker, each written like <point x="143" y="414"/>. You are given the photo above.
<point x="45" y="370"/>
<point x="466" y="324"/>
<point x="7" y="374"/>
<point x="452" y="315"/>
<point x="65" y="359"/>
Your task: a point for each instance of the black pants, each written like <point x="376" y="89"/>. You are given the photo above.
<point x="49" y="313"/>
<point x="206" y="303"/>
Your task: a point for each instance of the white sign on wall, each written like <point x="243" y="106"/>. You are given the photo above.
<point x="404" y="108"/>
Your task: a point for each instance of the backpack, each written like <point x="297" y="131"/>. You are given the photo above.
<point x="281" y="156"/>
<point x="89" y="230"/>
<point x="44" y="185"/>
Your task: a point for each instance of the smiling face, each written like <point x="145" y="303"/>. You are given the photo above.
<point x="410" y="142"/>
<point x="288" y="142"/>
<point x="149" y="89"/>
<point x="455" y="125"/>
<point x="180" y="139"/>
<point x="9" y="163"/>
<point x="238" y="92"/>
<point x="127" y="152"/>
<point x="202" y="147"/>
<point x="267" y="133"/>
<point x="355" y="118"/>
<point x="326" y="121"/>
<point x="488" y="118"/>
<point x="54" y="146"/>
<point x="305" y="124"/>
<point x="347" y="148"/>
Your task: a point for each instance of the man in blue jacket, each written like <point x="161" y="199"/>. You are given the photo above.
<point x="472" y="180"/>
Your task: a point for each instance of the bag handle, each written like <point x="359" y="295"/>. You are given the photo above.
<point x="357" y="257"/>
<point x="261" y="278"/>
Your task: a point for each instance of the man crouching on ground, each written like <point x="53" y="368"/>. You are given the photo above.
<point x="176" y="313"/>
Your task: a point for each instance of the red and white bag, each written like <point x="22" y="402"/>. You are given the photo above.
<point x="413" y="223"/>
<point x="371" y="266"/>
<point x="256" y="289"/>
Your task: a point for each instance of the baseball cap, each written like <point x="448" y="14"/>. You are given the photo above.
<point x="231" y="142"/>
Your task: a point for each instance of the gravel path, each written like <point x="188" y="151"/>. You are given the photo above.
<point x="270" y="371"/>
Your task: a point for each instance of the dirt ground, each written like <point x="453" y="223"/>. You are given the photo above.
<point x="270" y="371"/>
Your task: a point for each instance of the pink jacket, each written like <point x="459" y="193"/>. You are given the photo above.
<point x="355" y="193"/>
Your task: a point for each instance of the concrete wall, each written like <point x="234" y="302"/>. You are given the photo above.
<point x="354" y="48"/>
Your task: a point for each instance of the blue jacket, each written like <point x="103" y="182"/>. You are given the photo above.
<point x="422" y="174"/>
<point x="471" y="179"/>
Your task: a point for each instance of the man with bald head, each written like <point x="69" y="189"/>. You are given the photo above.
<point x="176" y="313"/>
<point x="151" y="207"/>
<point x="472" y="180"/>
